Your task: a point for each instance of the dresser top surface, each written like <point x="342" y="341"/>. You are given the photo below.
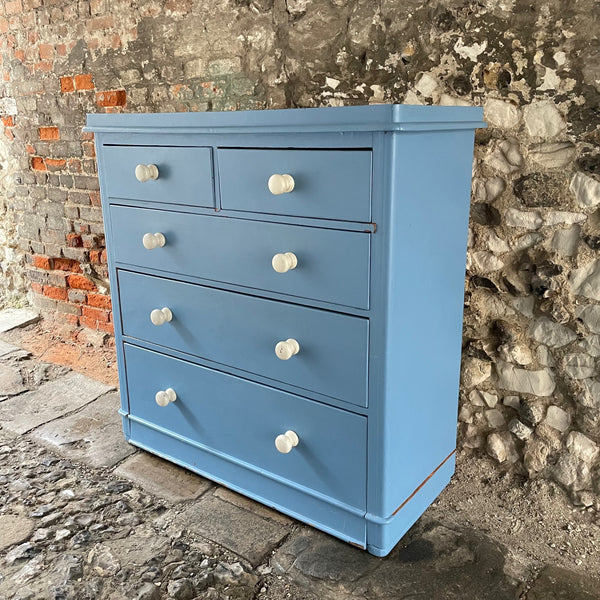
<point x="380" y="117"/>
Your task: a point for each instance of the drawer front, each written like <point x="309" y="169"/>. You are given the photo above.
<point x="242" y="331"/>
<point x="185" y="175"/>
<point x="328" y="184"/>
<point x="333" y="266"/>
<point x="241" y="419"/>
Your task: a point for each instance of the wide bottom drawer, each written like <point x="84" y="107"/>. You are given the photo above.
<point x="241" y="420"/>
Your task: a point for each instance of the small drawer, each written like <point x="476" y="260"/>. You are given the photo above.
<point x="184" y="175"/>
<point x="327" y="184"/>
<point x="332" y="266"/>
<point x="243" y="331"/>
<point x="241" y="420"/>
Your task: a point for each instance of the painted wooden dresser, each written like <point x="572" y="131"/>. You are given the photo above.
<point x="288" y="290"/>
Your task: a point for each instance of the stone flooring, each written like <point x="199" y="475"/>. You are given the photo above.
<point x="84" y="515"/>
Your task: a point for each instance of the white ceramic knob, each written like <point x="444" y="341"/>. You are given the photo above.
<point x="286" y="441"/>
<point x="285" y="350"/>
<point x="281" y="184"/>
<point x="164" y="398"/>
<point x="284" y="262"/>
<point x="153" y="240"/>
<point x="146" y="172"/>
<point x="161" y="315"/>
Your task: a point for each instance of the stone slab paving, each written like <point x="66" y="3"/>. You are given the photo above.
<point x="6" y="348"/>
<point x="161" y="477"/>
<point x="51" y="400"/>
<point x="244" y="532"/>
<point x="10" y="318"/>
<point x="11" y="380"/>
<point x="248" y="504"/>
<point x="433" y="562"/>
<point x="92" y="435"/>
<point x="555" y="583"/>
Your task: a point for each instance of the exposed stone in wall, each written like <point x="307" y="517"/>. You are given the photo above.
<point x="530" y="391"/>
<point x="13" y="287"/>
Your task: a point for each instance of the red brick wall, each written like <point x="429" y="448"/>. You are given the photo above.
<point x="60" y="60"/>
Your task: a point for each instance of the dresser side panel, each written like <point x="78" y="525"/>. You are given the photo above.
<point x="427" y="239"/>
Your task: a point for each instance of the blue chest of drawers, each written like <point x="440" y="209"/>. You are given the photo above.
<point x="288" y="289"/>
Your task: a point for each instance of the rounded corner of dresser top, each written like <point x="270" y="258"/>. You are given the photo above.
<point x="410" y="115"/>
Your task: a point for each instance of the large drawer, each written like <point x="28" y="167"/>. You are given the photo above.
<point x="333" y="266"/>
<point x="328" y="184"/>
<point x="241" y="419"/>
<point x="185" y="175"/>
<point x="242" y="331"/>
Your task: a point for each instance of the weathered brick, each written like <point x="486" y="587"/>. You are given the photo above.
<point x="52" y="236"/>
<point x="78" y="254"/>
<point x="89" y="166"/>
<point x="80" y="198"/>
<point x="13" y="7"/>
<point x="50" y="209"/>
<point x="46" y="66"/>
<point x="59" y="224"/>
<point x="68" y="308"/>
<point x="97" y="228"/>
<point x="103" y="22"/>
<point x="57" y="195"/>
<point x="90" y="241"/>
<point x="77" y="296"/>
<point x="33" y="246"/>
<point x="99" y="301"/>
<point x="80" y="282"/>
<point x="45" y="304"/>
<point x="55" y="164"/>
<point x="84" y="82"/>
<point x="49" y="133"/>
<point x="8" y="121"/>
<point x="57" y="278"/>
<point x="111" y="98"/>
<point x="107" y="327"/>
<point x="71" y="319"/>
<point x="36" y="288"/>
<point x="71" y="212"/>
<point x="95" y="313"/>
<point x="89" y="149"/>
<point x="38" y="192"/>
<point x="37" y="163"/>
<point x="67" y="264"/>
<point x="46" y="51"/>
<point x="55" y="293"/>
<point x="91" y="213"/>
<point x="66" y="181"/>
<point x="37" y="276"/>
<point x="74" y="240"/>
<point x="95" y="199"/>
<point x="67" y="84"/>
<point x="86" y="182"/>
<point x="53" y="248"/>
<point x="95" y="256"/>
<point x="42" y="262"/>
<point x="74" y="165"/>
